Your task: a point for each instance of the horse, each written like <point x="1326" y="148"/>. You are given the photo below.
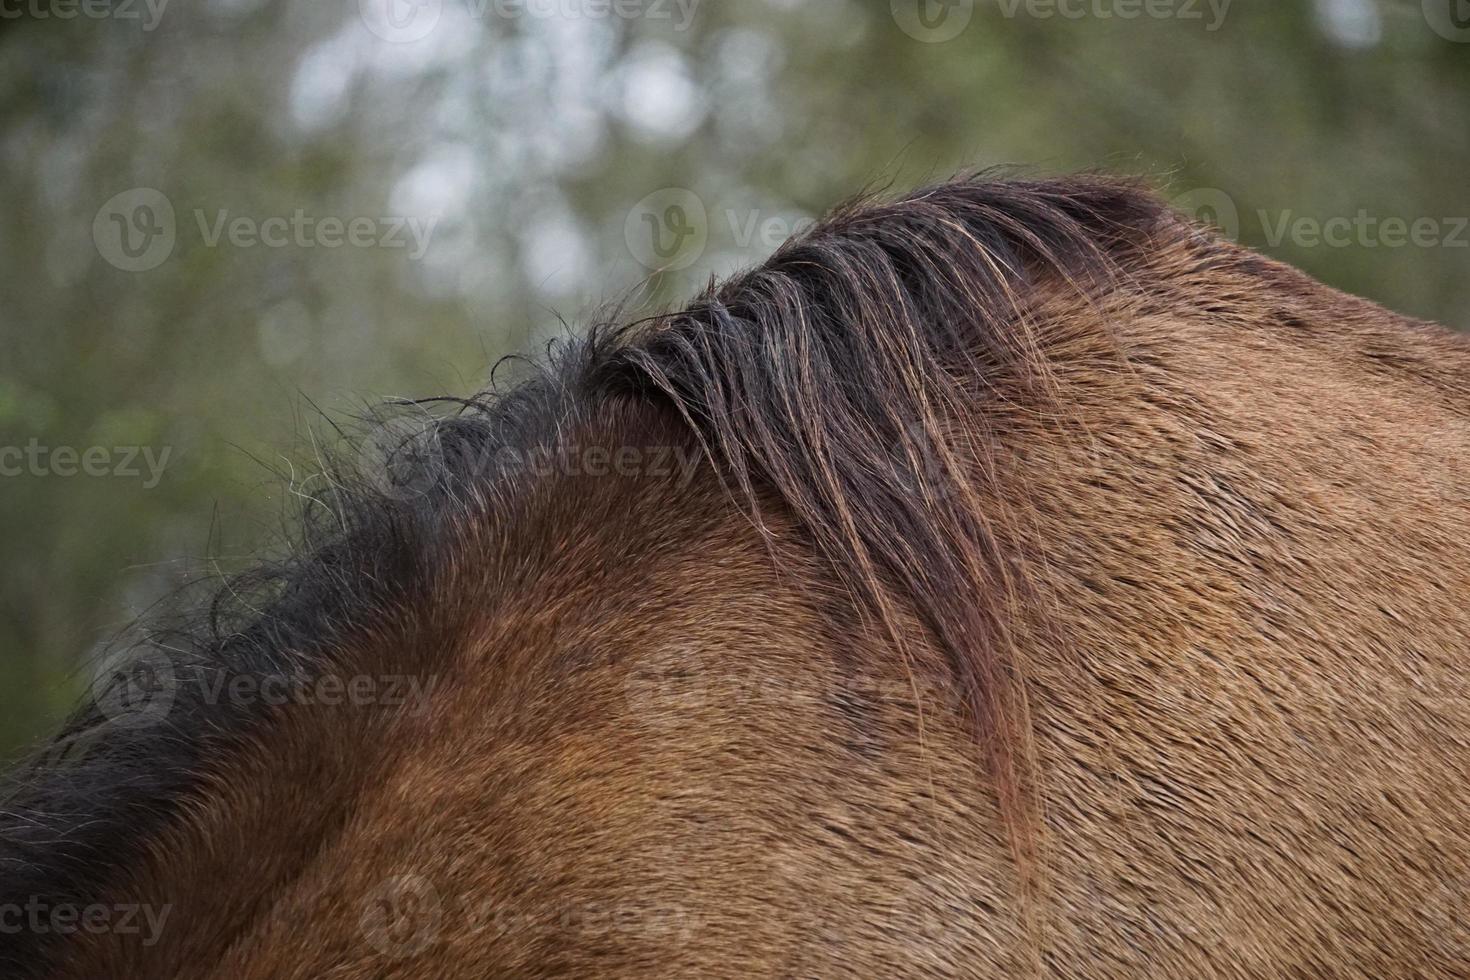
<point x="1012" y="578"/>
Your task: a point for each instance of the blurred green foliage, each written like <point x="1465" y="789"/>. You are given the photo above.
<point x="528" y="133"/>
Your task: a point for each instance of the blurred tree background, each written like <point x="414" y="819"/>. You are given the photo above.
<point x="453" y="180"/>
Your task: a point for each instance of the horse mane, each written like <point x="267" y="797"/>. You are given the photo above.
<point x="847" y="377"/>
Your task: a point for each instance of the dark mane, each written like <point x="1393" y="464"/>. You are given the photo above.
<point x="830" y="378"/>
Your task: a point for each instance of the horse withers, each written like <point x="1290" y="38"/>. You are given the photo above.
<point x="1012" y="579"/>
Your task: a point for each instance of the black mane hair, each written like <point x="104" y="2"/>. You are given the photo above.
<point x="826" y="378"/>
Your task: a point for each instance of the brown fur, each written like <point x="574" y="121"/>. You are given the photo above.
<point x="1115" y="627"/>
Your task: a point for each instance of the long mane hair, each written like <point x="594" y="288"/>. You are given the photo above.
<point x="852" y="379"/>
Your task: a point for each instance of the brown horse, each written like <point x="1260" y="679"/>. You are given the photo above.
<point x="1008" y="580"/>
